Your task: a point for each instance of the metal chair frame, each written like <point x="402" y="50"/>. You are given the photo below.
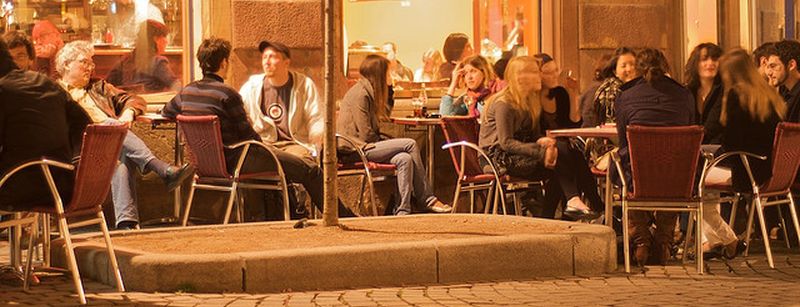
<point x="368" y="175"/>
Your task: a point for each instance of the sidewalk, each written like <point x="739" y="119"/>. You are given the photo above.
<point x="743" y="281"/>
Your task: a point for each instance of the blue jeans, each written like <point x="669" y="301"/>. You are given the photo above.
<point x="134" y="154"/>
<point x="411" y="180"/>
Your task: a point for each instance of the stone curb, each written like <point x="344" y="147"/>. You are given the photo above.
<point x="584" y="250"/>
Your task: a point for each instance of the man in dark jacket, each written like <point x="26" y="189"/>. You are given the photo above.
<point x="784" y="68"/>
<point x="652" y="99"/>
<point x="106" y="104"/>
<point x="37" y="119"/>
<point x="211" y="96"/>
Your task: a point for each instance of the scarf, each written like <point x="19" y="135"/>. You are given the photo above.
<point x="478" y="96"/>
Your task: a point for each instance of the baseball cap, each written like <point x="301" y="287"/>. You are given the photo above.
<point x="276" y="46"/>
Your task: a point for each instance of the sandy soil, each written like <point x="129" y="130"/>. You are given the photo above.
<point x="360" y="231"/>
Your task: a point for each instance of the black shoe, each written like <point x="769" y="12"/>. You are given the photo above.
<point x="714" y="253"/>
<point x="740" y="247"/>
<point x="175" y="176"/>
<point x="580" y="215"/>
<point x="127" y="225"/>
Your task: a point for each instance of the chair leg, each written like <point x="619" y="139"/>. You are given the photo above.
<point x="26" y="279"/>
<point x="517" y="205"/>
<point x="749" y="230"/>
<point x="767" y="249"/>
<point x="72" y="264"/>
<point x="361" y="192"/>
<point x="698" y="239"/>
<point x="231" y="199"/>
<point x="112" y="256"/>
<point x="45" y="220"/>
<point x="455" y="197"/>
<point x="734" y="206"/>
<point x="626" y="249"/>
<point x="783" y="226"/>
<point x="490" y="199"/>
<point x="188" y="205"/>
<point x="239" y="203"/>
<point x="471" y="201"/>
<point x="608" y="196"/>
<point x="687" y="235"/>
<point x="285" y="194"/>
<point x="793" y="212"/>
<point x="502" y="196"/>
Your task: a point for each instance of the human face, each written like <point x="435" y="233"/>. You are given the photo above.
<point x="79" y="71"/>
<point x="707" y="67"/>
<point x="473" y="77"/>
<point x="550" y="75"/>
<point x="20" y="57"/>
<point x="529" y="79"/>
<point x="161" y="44"/>
<point x="275" y="64"/>
<point x="626" y="65"/>
<point x="776" y="71"/>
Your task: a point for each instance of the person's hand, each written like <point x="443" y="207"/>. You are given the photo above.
<point x="126" y="117"/>
<point x="550" y="157"/>
<point x="572" y="84"/>
<point x="546" y="141"/>
<point x="458" y="72"/>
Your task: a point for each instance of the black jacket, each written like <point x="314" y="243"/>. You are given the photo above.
<point x="663" y="102"/>
<point x="37" y="119"/>
<point x="709" y="119"/>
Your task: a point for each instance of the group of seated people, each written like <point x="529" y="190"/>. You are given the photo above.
<point x="738" y="98"/>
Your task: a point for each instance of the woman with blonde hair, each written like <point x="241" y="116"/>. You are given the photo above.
<point x="512" y="134"/>
<point x="751" y="109"/>
<point x="477" y="75"/>
<point x="429" y="72"/>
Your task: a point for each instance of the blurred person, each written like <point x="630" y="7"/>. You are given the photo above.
<point x="429" y="72"/>
<point x="651" y="99"/>
<point x="619" y="71"/>
<point x="46" y="42"/>
<point x="125" y="17"/>
<point x="587" y="98"/>
<point x="783" y="68"/>
<point x="362" y="108"/>
<point x="476" y="74"/>
<point x="284" y="108"/>
<point x="456" y="48"/>
<point x="513" y="135"/>
<point x="146" y="66"/>
<point x="21" y="49"/>
<point x="37" y="118"/>
<point x="560" y="107"/>
<point x="106" y="104"/>
<point x="751" y="110"/>
<point x="760" y="57"/>
<point x="704" y="82"/>
<point x="399" y="71"/>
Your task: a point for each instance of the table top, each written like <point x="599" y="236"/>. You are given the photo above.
<point x="416" y="121"/>
<point x="600" y="131"/>
<point x="154" y="118"/>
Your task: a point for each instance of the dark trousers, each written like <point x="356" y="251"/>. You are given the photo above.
<point x="639" y="227"/>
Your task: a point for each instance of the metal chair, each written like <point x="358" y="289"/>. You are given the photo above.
<point x="98" y="160"/>
<point x="204" y="139"/>
<point x="777" y="190"/>
<point x="461" y="134"/>
<point x="369" y="171"/>
<point x="663" y="167"/>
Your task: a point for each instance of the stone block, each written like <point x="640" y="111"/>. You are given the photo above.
<point x="296" y="23"/>
<point x="611" y="25"/>
<point x="595" y="250"/>
<point x="504" y="258"/>
<point x="343" y="266"/>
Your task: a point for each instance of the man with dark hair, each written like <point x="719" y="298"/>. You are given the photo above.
<point x="760" y="57"/>
<point x="210" y="96"/>
<point x="21" y="49"/>
<point x="783" y="68"/>
<point x="37" y="118"/>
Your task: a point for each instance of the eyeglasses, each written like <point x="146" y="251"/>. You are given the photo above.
<point x="85" y="62"/>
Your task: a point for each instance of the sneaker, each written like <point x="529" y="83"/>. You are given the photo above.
<point x="440" y="207"/>
<point x="175" y="176"/>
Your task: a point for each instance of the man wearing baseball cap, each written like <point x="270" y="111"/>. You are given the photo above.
<point x="285" y="110"/>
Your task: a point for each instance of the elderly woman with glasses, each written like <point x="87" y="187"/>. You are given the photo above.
<point x="106" y="104"/>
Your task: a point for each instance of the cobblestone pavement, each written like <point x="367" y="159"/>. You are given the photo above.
<point x="743" y="281"/>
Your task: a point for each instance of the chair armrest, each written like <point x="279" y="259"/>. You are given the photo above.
<point x="243" y="155"/>
<point x="742" y="155"/>
<point x="352" y="143"/>
<point x="482" y="154"/>
<point x="42" y="162"/>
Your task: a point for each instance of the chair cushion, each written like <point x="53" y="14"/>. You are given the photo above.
<point x="479" y="178"/>
<point x="373" y="166"/>
<point x="719" y="186"/>
<point x="597" y="172"/>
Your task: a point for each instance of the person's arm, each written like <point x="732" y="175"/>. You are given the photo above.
<point x="314" y="110"/>
<point x="362" y="118"/>
<point x="234" y="111"/>
<point x="574" y="100"/>
<point x="506" y="123"/>
<point x="452" y="106"/>
<point x="713" y="128"/>
<point x="165" y="75"/>
<point x="122" y="101"/>
<point x="173" y="107"/>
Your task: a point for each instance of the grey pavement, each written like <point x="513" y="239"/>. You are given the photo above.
<point x="743" y="281"/>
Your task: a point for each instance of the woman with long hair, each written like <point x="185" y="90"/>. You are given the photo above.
<point x="705" y="83"/>
<point x="620" y="69"/>
<point x="145" y="66"/>
<point x="429" y="72"/>
<point x="477" y="75"/>
<point x="751" y="109"/>
<point x="362" y="108"/>
<point x="560" y="108"/>
<point x="513" y="135"/>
